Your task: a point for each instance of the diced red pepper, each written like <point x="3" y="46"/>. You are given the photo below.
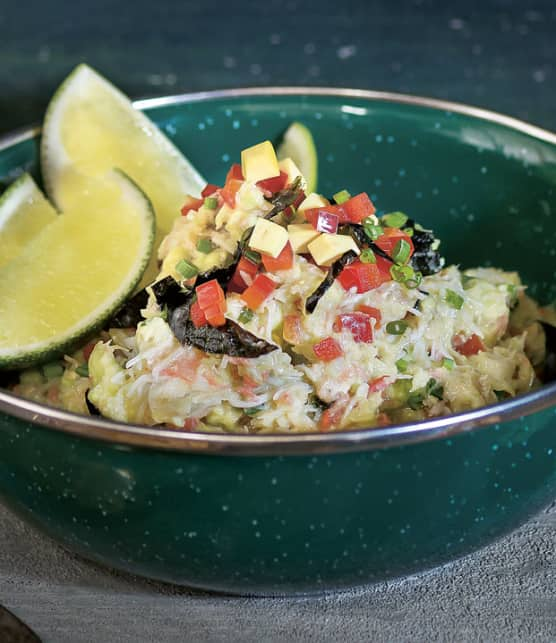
<point x="274" y="184"/>
<point x="333" y="415"/>
<point x="390" y="238"/>
<point x="191" y="204"/>
<point x="258" y="291"/>
<point x="210" y="294"/>
<point x="88" y="349"/>
<point x="299" y="199"/>
<point x="327" y="349"/>
<point x="359" y="207"/>
<point x="470" y="346"/>
<point x="359" y="325"/>
<point x="284" y="261"/>
<point x="363" y="276"/>
<point x="215" y="315"/>
<point x="245" y="272"/>
<point x="190" y="424"/>
<point x="378" y="384"/>
<point x="372" y="312"/>
<point x="292" y="330"/>
<point x="209" y="189"/>
<point x="234" y="180"/>
<point x="322" y="220"/>
<point x="197" y="315"/>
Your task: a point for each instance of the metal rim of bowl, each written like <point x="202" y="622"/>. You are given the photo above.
<point x="296" y="443"/>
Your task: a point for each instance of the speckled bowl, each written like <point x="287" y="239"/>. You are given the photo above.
<point x="280" y="514"/>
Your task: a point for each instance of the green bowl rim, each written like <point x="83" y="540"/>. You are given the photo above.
<point x="300" y="443"/>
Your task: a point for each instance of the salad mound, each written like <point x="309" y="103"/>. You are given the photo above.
<point x="278" y="310"/>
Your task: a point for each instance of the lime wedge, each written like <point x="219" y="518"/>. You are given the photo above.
<point x="298" y="144"/>
<point x="91" y="127"/>
<point x="23" y="214"/>
<point x="75" y="272"/>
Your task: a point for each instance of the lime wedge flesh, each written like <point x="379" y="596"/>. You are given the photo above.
<point x="91" y="127"/>
<point x="299" y="145"/>
<point x="24" y="212"/>
<point x="73" y="274"/>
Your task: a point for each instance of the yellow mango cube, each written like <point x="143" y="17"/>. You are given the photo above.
<point x="301" y="234"/>
<point x="268" y="238"/>
<point x="259" y="162"/>
<point x="326" y="248"/>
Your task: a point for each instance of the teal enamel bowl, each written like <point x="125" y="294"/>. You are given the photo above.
<point x="302" y="513"/>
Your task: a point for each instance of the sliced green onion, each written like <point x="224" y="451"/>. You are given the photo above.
<point x="402" y="365"/>
<point x="372" y="230"/>
<point x="205" y="246"/>
<point x="187" y="270"/>
<point x="453" y="299"/>
<point x="367" y="256"/>
<point x="254" y="410"/>
<point x="83" y="370"/>
<point x="402" y="250"/>
<point x="448" y="363"/>
<point x="401" y="273"/>
<point x="395" y="219"/>
<point x="396" y="327"/>
<point x="434" y="388"/>
<point x="413" y="282"/>
<point x="252" y="255"/>
<point x="211" y="202"/>
<point x="415" y="400"/>
<point x="408" y="231"/>
<point x="342" y="196"/>
<point x="246" y="315"/>
<point x="52" y="369"/>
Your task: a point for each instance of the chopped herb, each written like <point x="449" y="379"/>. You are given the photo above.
<point x="246" y="315"/>
<point x="372" y="230"/>
<point x="395" y="219"/>
<point x="434" y="388"/>
<point x="396" y="327"/>
<point x="254" y="410"/>
<point x="402" y="250"/>
<point x="252" y="255"/>
<point x="408" y="231"/>
<point x="367" y="256"/>
<point x="211" y="202"/>
<point x="342" y="196"/>
<point x="205" y="246"/>
<point x="83" y="370"/>
<point x="415" y="400"/>
<point x="187" y="270"/>
<point x="453" y="299"/>
<point x="52" y="369"/>
<point x="448" y="363"/>
<point x="402" y="365"/>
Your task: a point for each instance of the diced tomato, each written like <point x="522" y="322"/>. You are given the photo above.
<point x="191" y="204"/>
<point x="245" y="272"/>
<point x="470" y="346"/>
<point x="292" y="330"/>
<point x="215" y="315"/>
<point x="274" y="184"/>
<point x="363" y="276"/>
<point x="209" y="189"/>
<point x="284" y="261"/>
<point x="258" y="291"/>
<point x="359" y="207"/>
<point x="210" y="294"/>
<point x="372" y="312"/>
<point x="327" y="349"/>
<point x="359" y="325"/>
<point x="88" y="349"/>
<point x="322" y="220"/>
<point x="235" y="172"/>
<point x="299" y="199"/>
<point x="378" y="384"/>
<point x="390" y="238"/>
<point x="197" y="315"/>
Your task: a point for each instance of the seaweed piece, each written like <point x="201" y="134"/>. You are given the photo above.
<point x="334" y="270"/>
<point x="284" y="198"/>
<point x="426" y="259"/>
<point x="229" y="339"/>
<point x="549" y="370"/>
<point x="357" y="233"/>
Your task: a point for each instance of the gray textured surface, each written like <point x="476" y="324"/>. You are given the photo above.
<point x="505" y="592"/>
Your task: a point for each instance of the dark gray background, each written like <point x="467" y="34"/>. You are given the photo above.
<point x="499" y="54"/>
